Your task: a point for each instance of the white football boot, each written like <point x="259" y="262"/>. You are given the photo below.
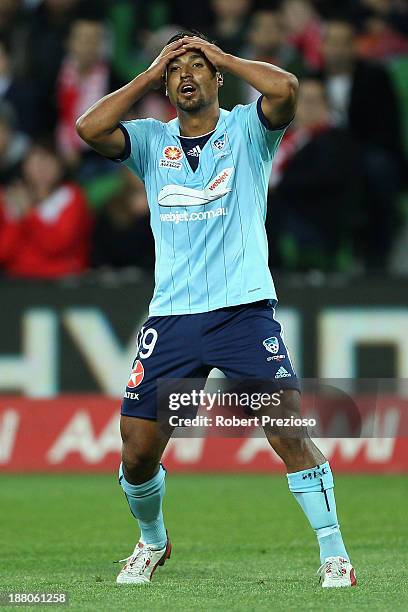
<point x="337" y="572"/>
<point x="142" y="563"/>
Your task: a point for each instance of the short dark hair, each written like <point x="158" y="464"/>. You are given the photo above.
<point x="188" y="32"/>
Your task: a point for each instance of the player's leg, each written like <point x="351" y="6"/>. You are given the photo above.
<point x="310" y="480"/>
<point x="248" y="343"/>
<point x="142" y="476"/>
<point x="167" y="348"/>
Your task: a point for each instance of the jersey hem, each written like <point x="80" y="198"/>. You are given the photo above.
<point x="200" y="309"/>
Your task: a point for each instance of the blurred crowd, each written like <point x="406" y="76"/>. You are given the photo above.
<point x="338" y="190"/>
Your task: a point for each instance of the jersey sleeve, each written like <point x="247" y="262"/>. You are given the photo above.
<point x="138" y="135"/>
<point x="256" y="127"/>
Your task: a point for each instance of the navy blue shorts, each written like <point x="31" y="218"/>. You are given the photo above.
<point x="242" y="341"/>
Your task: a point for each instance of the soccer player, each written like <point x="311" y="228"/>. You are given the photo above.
<point x="206" y="177"/>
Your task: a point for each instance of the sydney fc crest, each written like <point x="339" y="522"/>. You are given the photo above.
<point x="219" y="144"/>
<point x="271" y="345"/>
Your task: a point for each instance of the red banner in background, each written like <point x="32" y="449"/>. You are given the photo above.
<point x="81" y="433"/>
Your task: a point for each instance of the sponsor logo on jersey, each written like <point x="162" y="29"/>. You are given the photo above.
<point x="177" y="217"/>
<point x="167" y="163"/>
<point x="136" y="375"/>
<point x="271" y="344"/>
<point x="219" y="144"/>
<point x="173" y="153"/>
<point x="221" y="178"/>
<point x="179" y="195"/>
<point x="282" y="373"/>
<point x="171" y="157"/>
<point x="194" y="152"/>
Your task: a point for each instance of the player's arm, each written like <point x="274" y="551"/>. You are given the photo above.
<point x="278" y="87"/>
<point x="98" y="126"/>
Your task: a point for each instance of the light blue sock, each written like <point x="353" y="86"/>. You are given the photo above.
<point x="145" y="503"/>
<point x="313" y="489"/>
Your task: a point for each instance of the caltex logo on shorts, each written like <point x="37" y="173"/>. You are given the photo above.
<point x="136" y="375"/>
<point x="271" y="345"/>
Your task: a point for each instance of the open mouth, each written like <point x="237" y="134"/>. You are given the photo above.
<point x="188" y="90"/>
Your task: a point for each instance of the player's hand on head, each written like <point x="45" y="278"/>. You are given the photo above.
<point x="157" y="68"/>
<point x="216" y="56"/>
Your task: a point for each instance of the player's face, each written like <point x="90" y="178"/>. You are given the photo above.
<point x="191" y="82"/>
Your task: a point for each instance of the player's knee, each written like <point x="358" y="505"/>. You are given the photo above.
<point x="139" y="465"/>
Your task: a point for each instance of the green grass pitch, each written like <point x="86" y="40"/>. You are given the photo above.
<point x="240" y="542"/>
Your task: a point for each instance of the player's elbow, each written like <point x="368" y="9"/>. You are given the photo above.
<point x="289" y="92"/>
<point x="290" y="87"/>
<point x="85" y="129"/>
<point x="80" y="127"/>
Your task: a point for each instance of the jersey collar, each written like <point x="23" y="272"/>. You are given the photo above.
<point x="174" y="126"/>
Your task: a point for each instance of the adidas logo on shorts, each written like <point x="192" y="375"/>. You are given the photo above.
<point x="282" y="373"/>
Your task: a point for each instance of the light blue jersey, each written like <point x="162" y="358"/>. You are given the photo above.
<point x="208" y="225"/>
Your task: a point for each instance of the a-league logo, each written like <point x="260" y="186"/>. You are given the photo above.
<point x="173" y="153"/>
<point x="271" y="344"/>
<point x="136" y="375"/>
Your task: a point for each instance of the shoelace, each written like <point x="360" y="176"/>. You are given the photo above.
<point x="136" y="562"/>
<point x="334" y="566"/>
